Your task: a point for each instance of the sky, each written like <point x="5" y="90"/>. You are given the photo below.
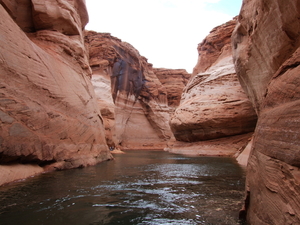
<point x="166" y="32"/>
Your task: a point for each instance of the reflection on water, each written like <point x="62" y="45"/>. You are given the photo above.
<point x="148" y="187"/>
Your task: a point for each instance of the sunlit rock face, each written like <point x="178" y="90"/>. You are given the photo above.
<point x="141" y="114"/>
<point x="266" y="53"/>
<point x="48" y="109"/>
<point x="213" y="104"/>
<point x="174" y="80"/>
<point x="214" y="47"/>
<point x="102" y="87"/>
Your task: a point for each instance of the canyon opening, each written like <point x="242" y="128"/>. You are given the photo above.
<point x="93" y="133"/>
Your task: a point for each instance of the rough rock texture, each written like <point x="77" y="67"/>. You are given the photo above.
<point x="229" y="146"/>
<point x="141" y="112"/>
<point x="102" y="86"/>
<point x="266" y="45"/>
<point x="243" y="157"/>
<point x="102" y="89"/>
<point x="213" y="46"/>
<point x="21" y="13"/>
<point x="16" y="172"/>
<point x="174" y="80"/>
<point x="213" y="104"/>
<point x="48" y="108"/>
<point x="256" y="62"/>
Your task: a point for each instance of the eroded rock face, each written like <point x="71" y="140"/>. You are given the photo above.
<point x="67" y="17"/>
<point x="102" y="87"/>
<point x="48" y="109"/>
<point x="232" y="146"/>
<point x="174" y="80"/>
<point x="213" y="104"/>
<point x="267" y="57"/>
<point x="141" y="110"/>
<point x="255" y="22"/>
<point x="213" y="46"/>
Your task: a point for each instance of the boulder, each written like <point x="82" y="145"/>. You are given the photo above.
<point x="213" y="104"/>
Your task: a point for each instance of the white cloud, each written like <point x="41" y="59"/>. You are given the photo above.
<point x="166" y="32"/>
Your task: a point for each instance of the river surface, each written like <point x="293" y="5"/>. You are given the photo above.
<point x="139" y="187"/>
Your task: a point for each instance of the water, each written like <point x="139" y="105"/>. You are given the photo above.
<point x="139" y="187"/>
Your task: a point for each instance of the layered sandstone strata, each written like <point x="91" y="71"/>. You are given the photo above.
<point x="102" y="87"/>
<point x="266" y="45"/>
<point x="138" y="103"/>
<point x="48" y="109"/>
<point x="174" y="80"/>
<point x="234" y="146"/>
<point x="213" y="104"/>
<point x="210" y="50"/>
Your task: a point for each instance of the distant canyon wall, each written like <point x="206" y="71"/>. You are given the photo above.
<point x="137" y="103"/>
<point x="174" y="80"/>
<point x="213" y="105"/>
<point x="48" y="109"/>
<point x="266" y="52"/>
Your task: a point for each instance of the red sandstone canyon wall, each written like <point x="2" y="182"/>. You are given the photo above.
<point x="266" y="52"/>
<point x="213" y="104"/>
<point x="48" y="109"/>
<point x="137" y="104"/>
<point x="174" y="80"/>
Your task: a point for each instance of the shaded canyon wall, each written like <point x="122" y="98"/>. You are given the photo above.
<point x="138" y="105"/>
<point x="266" y="51"/>
<point x="48" y="109"/>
